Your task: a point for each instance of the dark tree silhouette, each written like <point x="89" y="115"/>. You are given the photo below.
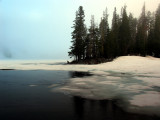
<point x="156" y="49"/>
<point x="127" y="36"/>
<point x="78" y="36"/>
<point x="142" y="33"/>
<point x="124" y="36"/>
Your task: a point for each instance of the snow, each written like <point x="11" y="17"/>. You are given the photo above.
<point x="133" y="79"/>
<point x="134" y="64"/>
<point x="147" y="99"/>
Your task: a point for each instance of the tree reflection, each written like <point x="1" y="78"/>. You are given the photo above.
<point x="86" y="109"/>
<point x="79" y="74"/>
<point x="79" y="106"/>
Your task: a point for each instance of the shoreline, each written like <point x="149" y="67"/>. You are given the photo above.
<point x="91" y="61"/>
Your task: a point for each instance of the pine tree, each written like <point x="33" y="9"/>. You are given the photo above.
<point x="124" y="36"/>
<point x="104" y="31"/>
<point x="73" y="52"/>
<point x="150" y="25"/>
<point x="111" y="44"/>
<point x="133" y="32"/>
<point x="78" y="36"/>
<point x="157" y="33"/>
<point x="141" y="38"/>
<point x="93" y="39"/>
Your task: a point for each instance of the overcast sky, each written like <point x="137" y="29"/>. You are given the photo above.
<point x="41" y="29"/>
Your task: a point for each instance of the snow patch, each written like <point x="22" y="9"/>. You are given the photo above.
<point x="147" y="99"/>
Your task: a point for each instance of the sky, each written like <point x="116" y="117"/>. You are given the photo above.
<point x="41" y="29"/>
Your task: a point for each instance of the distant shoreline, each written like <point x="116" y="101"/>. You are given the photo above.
<point x="7" y="69"/>
<point x="90" y="61"/>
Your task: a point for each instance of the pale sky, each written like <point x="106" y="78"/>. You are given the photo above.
<point x="41" y="29"/>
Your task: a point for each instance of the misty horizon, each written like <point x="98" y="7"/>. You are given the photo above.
<point x="42" y="29"/>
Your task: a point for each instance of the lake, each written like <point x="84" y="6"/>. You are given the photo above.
<point x="52" y="95"/>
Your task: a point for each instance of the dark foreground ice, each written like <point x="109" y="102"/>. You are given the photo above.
<point x="63" y="95"/>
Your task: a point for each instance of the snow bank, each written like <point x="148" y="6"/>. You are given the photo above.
<point x="134" y="64"/>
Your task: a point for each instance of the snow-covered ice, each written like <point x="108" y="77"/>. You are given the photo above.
<point x="135" y="64"/>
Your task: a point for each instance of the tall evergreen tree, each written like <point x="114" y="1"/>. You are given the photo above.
<point x="111" y="45"/>
<point x="73" y="52"/>
<point x="141" y="38"/>
<point x="124" y="35"/>
<point x="115" y="21"/>
<point x="151" y="25"/>
<point x="78" y="36"/>
<point x="93" y="39"/>
<point x="157" y="33"/>
<point x="104" y="31"/>
<point x="133" y="32"/>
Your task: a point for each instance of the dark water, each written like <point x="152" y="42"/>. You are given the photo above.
<point x="27" y="95"/>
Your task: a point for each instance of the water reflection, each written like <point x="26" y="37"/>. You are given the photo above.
<point x="20" y="101"/>
<point x="79" y="74"/>
<point x="86" y="109"/>
<point x="79" y="106"/>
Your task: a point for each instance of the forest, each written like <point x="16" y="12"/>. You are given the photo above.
<point x="126" y="36"/>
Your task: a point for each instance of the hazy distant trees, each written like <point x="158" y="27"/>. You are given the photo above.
<point x="127" y="35"/>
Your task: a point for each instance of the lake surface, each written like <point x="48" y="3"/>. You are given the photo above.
<point x="35" y="95"/>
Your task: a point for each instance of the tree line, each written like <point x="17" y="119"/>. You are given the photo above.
<point x="126" y="36"/>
